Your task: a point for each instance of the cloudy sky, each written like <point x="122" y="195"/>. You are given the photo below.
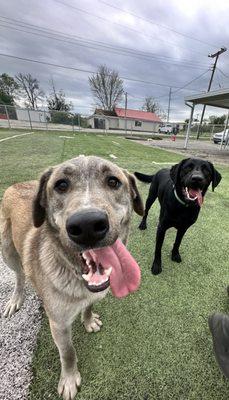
<point x="162" y="44"/>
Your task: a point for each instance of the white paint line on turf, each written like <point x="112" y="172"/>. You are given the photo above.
<point x="67" y="137"/>
<point x="16" y="136"/>
<point x="162" y="163"/>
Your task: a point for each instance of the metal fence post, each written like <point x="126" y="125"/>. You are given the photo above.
<point x="46" y="120"/>
<point x="30" y="122"/>
<point x="7" y="116"/>
<point x="213" y="127"/>
<point x="73" y="123"/>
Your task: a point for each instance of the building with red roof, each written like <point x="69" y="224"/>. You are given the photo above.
<point x="125" y="119"/>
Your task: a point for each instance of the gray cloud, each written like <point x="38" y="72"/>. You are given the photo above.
<point x="198" y="19"/>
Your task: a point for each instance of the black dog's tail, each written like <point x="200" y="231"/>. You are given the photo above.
<point x="143" y="177"/>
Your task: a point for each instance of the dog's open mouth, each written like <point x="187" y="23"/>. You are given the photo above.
<point x="96" y="277"/>
<point x="111" y="266"/>
<point x="193" y="195"/>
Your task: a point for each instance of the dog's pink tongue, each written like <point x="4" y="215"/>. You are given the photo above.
<point x="125" y="276"/>
<point x="197" y="193"/>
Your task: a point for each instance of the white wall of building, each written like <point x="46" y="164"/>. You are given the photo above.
<point x="119" y="123"/>
<point x="145" y="125"/>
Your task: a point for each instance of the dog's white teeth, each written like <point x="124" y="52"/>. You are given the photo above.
<point x="88" y="276"/>
<point x="108" y="271"/>
<point x="98" y="283"/>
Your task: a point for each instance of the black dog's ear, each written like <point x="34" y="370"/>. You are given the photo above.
<point x="135" y="195"/>
<point x="39" y="203"/>
<point x="175" y="171"/>
<point x="216" y="177"/>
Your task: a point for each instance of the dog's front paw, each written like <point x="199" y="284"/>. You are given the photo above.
<point x="176" y="257"/>
<point x="156" y="268"/>
<point x="93" y="324"/>
<point x="68" y="385"/>
<point x="13" y="305"/>
<point x="142" y="226"/>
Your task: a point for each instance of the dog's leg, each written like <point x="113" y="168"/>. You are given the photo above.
<point x="12" y="259"/>
<point x="157" y="267"/>
<point x="90" y="320"/>
<point x="150" y="200"/>
<point x="175" y="256"/>
<point x="70" y="378"/>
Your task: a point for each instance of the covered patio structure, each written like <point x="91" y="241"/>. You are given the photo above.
<point x="218" y="98"/>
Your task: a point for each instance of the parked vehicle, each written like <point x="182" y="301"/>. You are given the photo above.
<point x="217" y="138"/>
<point x="166" y="128"/>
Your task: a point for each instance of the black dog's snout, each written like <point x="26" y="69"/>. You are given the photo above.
<point x="196" y="178"/>
<point x="87" y="227"/>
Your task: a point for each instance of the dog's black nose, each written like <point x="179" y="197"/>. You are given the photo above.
<point x="196" y="178"/>
<point x="87" y="227"/>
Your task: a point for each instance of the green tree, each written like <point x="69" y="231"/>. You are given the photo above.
<point x="56" y="100"/>
<point x="217" y="120"/>
<point x="8" y="89"/>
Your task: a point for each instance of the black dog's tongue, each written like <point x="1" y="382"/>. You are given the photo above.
<point x="196" y="194"/>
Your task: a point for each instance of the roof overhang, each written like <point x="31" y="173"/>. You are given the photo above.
<point x="218" y="98"/>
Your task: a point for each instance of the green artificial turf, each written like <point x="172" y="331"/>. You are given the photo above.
<point x="154" y="344"/>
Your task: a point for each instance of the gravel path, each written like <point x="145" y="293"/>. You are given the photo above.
<point x="196" y="148"/>
<point x="17" y="339"/>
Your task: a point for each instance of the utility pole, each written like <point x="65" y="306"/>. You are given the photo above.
<point x="170" y="92"/>
<point x="216" y="56"/>
<point x="125" y="112"/>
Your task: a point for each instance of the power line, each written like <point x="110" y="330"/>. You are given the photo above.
<point x="157" y="24"/>
<point x="223" y="73"/>
<point x="218" y="78"/>
<point x="87" y="71"/>
<point x="114" y="50"/>
<point x="86" y="40"/>
<point x="193" y="80"/>
<point x="123" y="26"/>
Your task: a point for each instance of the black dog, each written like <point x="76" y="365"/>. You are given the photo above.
<point x="180" y="191"/>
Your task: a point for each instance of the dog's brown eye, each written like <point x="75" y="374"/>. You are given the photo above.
<point x="61" y="186"/>
<point x="114" y="182"/>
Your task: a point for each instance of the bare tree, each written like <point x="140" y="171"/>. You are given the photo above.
<point x="106" y="87"/>
<point x="151" y="105"/>
<point x="29" y="88"/>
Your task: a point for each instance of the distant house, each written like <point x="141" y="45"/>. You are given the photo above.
<point x="119" y="118"/>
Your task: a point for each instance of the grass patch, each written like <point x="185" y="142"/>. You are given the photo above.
<point x="155" y="344"/>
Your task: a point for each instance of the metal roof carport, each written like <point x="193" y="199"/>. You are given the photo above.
<point x="218" y="98"/>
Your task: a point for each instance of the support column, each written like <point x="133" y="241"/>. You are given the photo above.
<point x="189" y="125"/>
<point x="224" y="132"/>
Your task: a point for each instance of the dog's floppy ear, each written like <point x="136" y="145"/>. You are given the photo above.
<point x="39" y="202"/>
<point x="175" y="171"/>
<point x="135" y="195"/>
<point x="216" y="176"/>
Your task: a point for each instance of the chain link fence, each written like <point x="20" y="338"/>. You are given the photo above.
<point x="23" y="118"/>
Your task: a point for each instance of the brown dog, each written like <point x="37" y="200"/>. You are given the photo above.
<point x="66" y="234"/>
